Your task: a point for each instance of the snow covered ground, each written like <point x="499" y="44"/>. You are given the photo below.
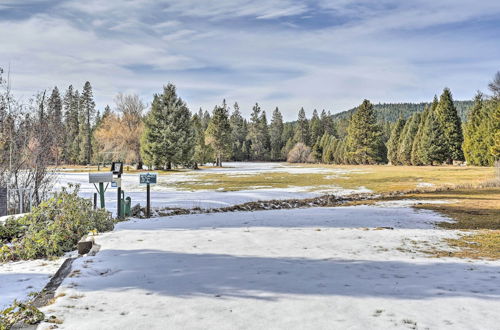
<point x="19" y="279"/>
<point x="317" y="268"/>
<point x="166" y="194"/>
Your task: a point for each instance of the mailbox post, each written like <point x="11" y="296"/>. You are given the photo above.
<point x="117" y="169"/>
<point x="148" y="179"/>
<point x="101" y="178"/>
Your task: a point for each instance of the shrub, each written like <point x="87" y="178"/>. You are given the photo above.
<point x="11" y="229"/>
<point x="299" y="153"/>
<point x="24" y="313"/>
<point x="55" y="226"/>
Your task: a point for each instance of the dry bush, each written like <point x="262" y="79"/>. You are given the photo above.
<point x="299" y="153"/>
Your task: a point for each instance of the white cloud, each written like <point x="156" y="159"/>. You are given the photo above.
<point x="254" y="51"/>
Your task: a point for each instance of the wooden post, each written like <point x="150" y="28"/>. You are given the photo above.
<point x="148" y="201"/>
<point x="95" y="201"/>
<point x="119" y="203"/>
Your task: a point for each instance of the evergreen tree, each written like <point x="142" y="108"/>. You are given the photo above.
<point x="494" y="86"/>
<point x="168" y="137"/>
<point x="56" y="126"/>
<point x="417" y="153"/>
<point x="302" y="128"/>
<point x="218" y="134"/>
<point x="327" y="123"/>
<point x="71" y="105"/>
<point x="394" y="140"/>
<point x="276" y="133"/>
<point x="287" y="138"/>
<point x="448" y="118"/>
<point x="256" y="135"/>
<point x="315" y="127"/>
<point x="364" y="143"/>
<point x="106" y="113"/>
<point x="238" y="134"/>
<point x="495" y="149"/>
<point x="264" y="132"/>
<point x="407" y="138"/>
<point x="202" y="152"/>
<point x="476" y="134"/>
<point x="86" y="118"/>
<point x="433" y="141"/>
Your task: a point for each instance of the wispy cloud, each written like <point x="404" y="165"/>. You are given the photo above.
<point x="286" y="53"/>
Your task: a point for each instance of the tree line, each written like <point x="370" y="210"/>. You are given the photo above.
<point x="170" y="135"/>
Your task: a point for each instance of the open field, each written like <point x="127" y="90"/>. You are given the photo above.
<point x="374" y="178"/>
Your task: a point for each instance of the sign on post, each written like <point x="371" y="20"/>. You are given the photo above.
<point x="148" y="179"/>
<point x="116" y="183"/>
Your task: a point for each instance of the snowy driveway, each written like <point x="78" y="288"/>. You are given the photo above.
<point x="319" y="268"/>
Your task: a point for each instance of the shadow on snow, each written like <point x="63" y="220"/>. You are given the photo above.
<point x="189" y="275"/>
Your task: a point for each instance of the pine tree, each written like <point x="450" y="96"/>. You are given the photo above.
<point x="364" y="143"/>
<point x="168" y="137"/>
<point x="56" y="126"/>
<point x="276" y="132"/>
<point x="218" y="134"/>
<point x="434" y="142"/>
<point x="302" y="128"/>
<point x="448" y="118"/>
<point x="315" y="127"/>
<point x="238" y="133"/>
<point x="256" y="135"/>
<point x="417" y="153"/>
<point x="407" y="138"/>
<point x="476" y="133"/>
<point x="394" y="141"/>
<point x="202" y="152"/>
<point x="266" y="138"/>
<point x="86" y="118"/>
<point x="495" y="149"/>
<point x="71" y="105"/>
<point x="327" y="123"/>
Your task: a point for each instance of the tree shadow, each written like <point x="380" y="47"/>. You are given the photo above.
<point x="226" y="276"/>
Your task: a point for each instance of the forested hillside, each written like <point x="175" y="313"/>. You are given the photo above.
<point x="393" y="111"/>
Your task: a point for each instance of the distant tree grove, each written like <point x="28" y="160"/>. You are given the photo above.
<point x="170" y="135"/>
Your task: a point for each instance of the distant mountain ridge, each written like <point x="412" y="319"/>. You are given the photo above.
<point x="392" y="111"/>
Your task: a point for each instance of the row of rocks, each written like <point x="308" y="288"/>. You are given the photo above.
<point x="321" y="201"/>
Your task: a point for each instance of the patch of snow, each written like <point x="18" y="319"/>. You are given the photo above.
<point x="18" y="279"/>
<point x="410" y="202"/>
<point x="425" y="184"/>
<point x="314" y="268"/>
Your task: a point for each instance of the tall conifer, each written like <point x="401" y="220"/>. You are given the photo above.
<point x="364" y="143"/>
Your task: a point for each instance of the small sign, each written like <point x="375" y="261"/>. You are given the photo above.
<point x="100" y="177"/>
<point x="117" y="182"/>
<point x="147" y="178"/>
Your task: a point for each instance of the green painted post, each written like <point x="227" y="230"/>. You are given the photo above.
<point x="101" y="194"/>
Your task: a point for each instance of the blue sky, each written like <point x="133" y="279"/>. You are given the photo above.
<point x="313" y="54"/>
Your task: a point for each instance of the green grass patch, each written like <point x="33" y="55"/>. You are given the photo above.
<point x="376" y="178"/>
